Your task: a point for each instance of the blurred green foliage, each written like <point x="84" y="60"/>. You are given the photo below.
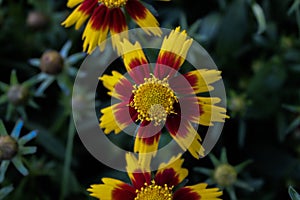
<point x="255" y="44"/>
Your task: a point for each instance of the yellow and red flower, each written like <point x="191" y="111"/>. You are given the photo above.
<point x="105" y="15"/>
<point x="161" y="187"/>
<point x="161" y="97"/>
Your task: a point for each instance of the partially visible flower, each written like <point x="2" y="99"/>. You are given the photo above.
<point x="17" y="95"/>
<point x="162" y="97"/>
<point x="107" y="15"/>
<point x="12" y="148"/>
<point x="225" y="175"/>
<point x="165" y="184"/>
<point x="56" y="65"/>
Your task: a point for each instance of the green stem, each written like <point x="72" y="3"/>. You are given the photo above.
<point x="68" y="159"/>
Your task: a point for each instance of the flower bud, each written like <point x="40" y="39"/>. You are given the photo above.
<point x="8" y="147"/>
<point x="17" y="95"/>
<point x="225" y="175"/>
<point x="52" y="62"/>
<point x="37" y="20"/>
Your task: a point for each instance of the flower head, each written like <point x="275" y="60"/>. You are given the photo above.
<point x="17" y="96"/>
<point x="161" y="98"/>
<point x="108" y="15"/>
<point x="225" y="175"/>
<point x="163" y="186"/>
<point x="12" y="148"/>
<point x="56" y="65"/>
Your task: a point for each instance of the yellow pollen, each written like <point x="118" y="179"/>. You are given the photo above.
<point x="154" y="192"/>
<point x="113" y="3"/>
<point x="153" y="100"/>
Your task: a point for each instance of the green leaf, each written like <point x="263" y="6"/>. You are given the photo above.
<point x="17" y="161"/>
<point x="3" y="168"/>
<point x="202" y="170"/>
<point x="13" y="78"/>
<point x="34" y="62"/>
<point x="2" y="128"/>
<point x="294" y="7"/>
<point x="293" y="194"/>
<point x="65" y="49"/>
<point x="5" y="191"/>
<point x="260" y="17"/>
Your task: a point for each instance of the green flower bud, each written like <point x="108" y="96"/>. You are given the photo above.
<point x="225" y="175"/>
<point x="17" y="95"/>
<point x="52" y="62"/>
<point x="8" y="147"/>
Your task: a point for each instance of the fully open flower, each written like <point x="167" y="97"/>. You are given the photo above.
<point x="107" y="15"/>
<point x="161" y="187"/>
<point x="161" y="97"/>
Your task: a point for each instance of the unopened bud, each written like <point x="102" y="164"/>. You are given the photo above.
<point x="8" y="147"/>
<point x="225" y="175"/>
<point x="17" y="94"/>
<point x="52" y="62"/>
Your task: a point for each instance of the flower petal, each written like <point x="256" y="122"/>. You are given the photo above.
<point x="81" y="13"/>
<point x="197" y="192"/>
<point x="72" y="3"/>
<point x="172" y="54"/>
<point x="112" y="116"/>
<point x="143" y="17"/>
<point x="118" y="86"/>
<point x="199" y="81"/>
<point x="96" y="30"/>
<point x="135" y="61"/>
<point x="171" y="173"/>
<point x="209" y="112"/>
<point x="117" y="25"/>
<point x="139" y="173"/>
<point x="147" y="138"/>
<point x="112" y="189"/>
<point x="185" y="135"/>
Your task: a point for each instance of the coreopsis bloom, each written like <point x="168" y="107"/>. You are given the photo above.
<point x="161" y="98"/>
<point x="161" y="187"/>
<point x="108" y="15"/>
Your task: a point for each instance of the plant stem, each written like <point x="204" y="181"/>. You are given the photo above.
<point x="68" y="159"/>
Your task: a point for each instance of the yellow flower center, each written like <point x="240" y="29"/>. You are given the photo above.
<point x="154" y="192"/>
<point x="113" y="3"/>
<point x="153" y="100"/>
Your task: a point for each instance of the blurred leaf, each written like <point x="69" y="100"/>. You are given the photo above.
<point x="295" y="123"/>
<point x="293" y="194"/>
<point x="5" y="191"/>
<point x="229" y="39"/>
<point x="294" y="7"/>
<point x="260" y="17"/>
<point x="209" y="26"/>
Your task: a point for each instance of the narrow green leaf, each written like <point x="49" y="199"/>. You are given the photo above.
<point x="3" y="168"/>
<point x="260" y="17"/>
<point x="293" y="194"/>
<point x="13" y="78"/>
<point x="17" y="161"/>
<point x="2" y="128"/>
<point x="65" y="49"/>
<point x="5" y="191"/>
